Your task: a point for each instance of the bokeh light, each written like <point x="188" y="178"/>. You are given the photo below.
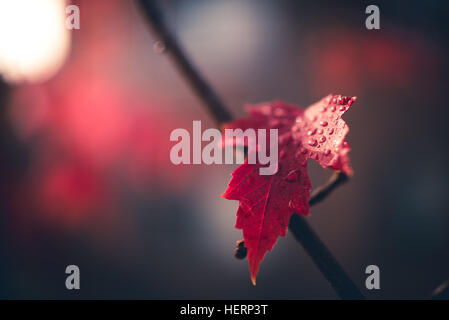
<point x="34" y="41"/>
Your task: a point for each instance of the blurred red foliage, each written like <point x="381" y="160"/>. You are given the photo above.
<point x="92" y="136"/>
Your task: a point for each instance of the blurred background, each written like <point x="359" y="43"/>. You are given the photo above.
<point x="85" y="119"/>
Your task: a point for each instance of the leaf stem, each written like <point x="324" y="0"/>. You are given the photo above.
<point x="302" y="231"/>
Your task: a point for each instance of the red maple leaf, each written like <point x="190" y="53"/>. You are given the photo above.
<point x="266" y="202"/>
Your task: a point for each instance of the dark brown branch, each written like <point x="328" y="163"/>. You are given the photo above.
<point x="442" y="292"/>
<point x="323" y="258"/>
<point x="205" y="92"/>
<point x="320" y="193"/>
<point x="298" y="225"/>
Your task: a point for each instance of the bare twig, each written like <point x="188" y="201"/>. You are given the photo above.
<point x="322" y="257"/>
<point x="442" y="292"/>
<point x="205" y="92"/>
<point x="320" y="193"/>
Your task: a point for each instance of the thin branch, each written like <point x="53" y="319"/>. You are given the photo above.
<point x="442" y="292"/>
<point x="204" y="91"/>
<point x="322" y="257"/>
<point x="317" y="250"/>
<point x="320" y="193"/>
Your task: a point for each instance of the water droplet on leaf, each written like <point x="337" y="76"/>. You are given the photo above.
<point x="311" y="132"/>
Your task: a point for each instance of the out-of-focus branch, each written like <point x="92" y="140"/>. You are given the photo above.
<point x="323" y="259"/>
<point x="442" y="292"/>
<point x="199" y="85"/>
